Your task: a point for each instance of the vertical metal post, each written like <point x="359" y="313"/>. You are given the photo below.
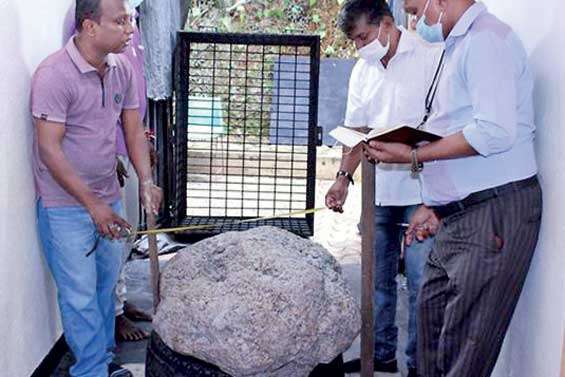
<point x="312" y="128"/>
<point x="153" y="261"/>
<point x="367" y="268"/>
<point x="182" y="73"/>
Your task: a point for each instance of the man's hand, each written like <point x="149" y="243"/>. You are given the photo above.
<point x="151" y="196"/>
<point x="336" y="195"/>
<point x="423" y="224"/>
<point x="387" y="152"/>
<point x="108" y="223"/>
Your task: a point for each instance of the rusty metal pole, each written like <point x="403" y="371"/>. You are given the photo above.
<point x="367" y="268"/>
<point x="153" y="261"/>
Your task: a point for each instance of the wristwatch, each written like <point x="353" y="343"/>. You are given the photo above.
<point x="343" y="173"/>
<point x="416" y="167"/>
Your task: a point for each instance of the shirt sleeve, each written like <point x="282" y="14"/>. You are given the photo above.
<point x="489" y="71"/>
<point x="50" y="96"/>
<point x="131" y="100"/>
<point x="355" y="114"/>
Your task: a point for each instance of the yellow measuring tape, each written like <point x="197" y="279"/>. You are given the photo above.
<point x="206" y="226"/>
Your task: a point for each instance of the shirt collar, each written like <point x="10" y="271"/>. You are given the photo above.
<point x="80" y="62"/>
<point x="111" y="60"/>
<point x="466" y="20"/>
<point x="406" y="42"/>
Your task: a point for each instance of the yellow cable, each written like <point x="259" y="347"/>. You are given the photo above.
<point x="206" y="226"/>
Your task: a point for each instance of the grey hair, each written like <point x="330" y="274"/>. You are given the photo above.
<point x="87" y="9"/>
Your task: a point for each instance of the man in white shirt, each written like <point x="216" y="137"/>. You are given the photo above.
<point x="480" y="180"/>
<point x="387" y="87"/>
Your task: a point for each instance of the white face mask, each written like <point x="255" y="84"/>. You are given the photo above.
<point x="374" y="51"/>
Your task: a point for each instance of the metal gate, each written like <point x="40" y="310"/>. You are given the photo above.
<point x="246" y="130"/>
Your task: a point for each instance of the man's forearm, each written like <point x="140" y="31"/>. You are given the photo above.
<point x="453" y="146"/>
<point x="139" y="153"/>
<point x="351" y="158"/>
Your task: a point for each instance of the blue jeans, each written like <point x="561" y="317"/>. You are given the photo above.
<point x="85" y="285"/>
<point x="388" y="238"/>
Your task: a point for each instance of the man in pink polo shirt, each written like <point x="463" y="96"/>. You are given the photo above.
<point x="125" y="329"/>
<point x="78" y="95"/>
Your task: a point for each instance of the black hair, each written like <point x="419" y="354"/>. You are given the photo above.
<point x="352" y="11"/>
<point x="87" y="9"/>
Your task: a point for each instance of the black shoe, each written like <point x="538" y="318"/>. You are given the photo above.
<point x="412" y="372"/>
<point x="114" y="370"/>
<point x="354" y="366"/>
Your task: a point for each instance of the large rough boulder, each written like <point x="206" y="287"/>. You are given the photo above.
<point x="263" y="302"/>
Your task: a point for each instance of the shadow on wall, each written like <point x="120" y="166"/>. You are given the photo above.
<point x="69" y="19"/>
<point x="27" y="296"/>
<point x="546" y="63"/>
<point x="16" y="137"/>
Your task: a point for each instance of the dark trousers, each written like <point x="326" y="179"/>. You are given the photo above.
<point x="388" y="241"/>
<point x="472" y="282"/>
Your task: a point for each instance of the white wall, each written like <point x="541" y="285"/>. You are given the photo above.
<point x="29" y="326"/>
<point x="533" y="345"/>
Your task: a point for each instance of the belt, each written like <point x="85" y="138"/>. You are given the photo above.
<point x="482" y="196"/>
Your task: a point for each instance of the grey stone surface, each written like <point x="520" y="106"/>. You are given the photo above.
<point x="258" y="303"/>
<point x="331" y="230"/>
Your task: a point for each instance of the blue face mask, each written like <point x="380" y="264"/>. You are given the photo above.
<point x="430" y="33"/>
<point x="135" y="3"/>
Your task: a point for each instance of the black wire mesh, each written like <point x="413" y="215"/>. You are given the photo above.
<point x="246" y="129"/>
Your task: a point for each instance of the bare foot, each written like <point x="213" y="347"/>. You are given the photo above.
<point x="127" y="331"/>
<point x="135" y="314"/>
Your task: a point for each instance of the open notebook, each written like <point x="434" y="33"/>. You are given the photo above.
<point x="400" y="134"/>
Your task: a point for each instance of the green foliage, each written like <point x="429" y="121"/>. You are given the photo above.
<point x="274" y="16"/>
<point x="245" y="115"/>
<point x="276" y="13"/>
<point x="329" y="51"/>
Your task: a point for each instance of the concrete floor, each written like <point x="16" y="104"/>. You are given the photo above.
<point x="337" y="232"/>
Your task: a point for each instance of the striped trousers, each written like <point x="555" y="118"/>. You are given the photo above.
<point x="472" y="281"/>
